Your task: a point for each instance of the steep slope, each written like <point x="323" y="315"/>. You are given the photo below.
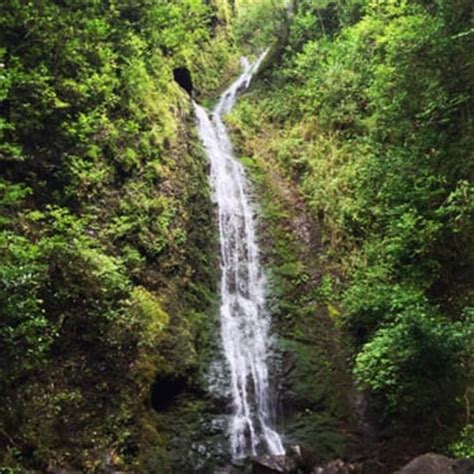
<point x="366" y="113"/>
<point x="106" y="273"/>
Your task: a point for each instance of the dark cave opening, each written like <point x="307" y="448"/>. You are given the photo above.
<point x="164" y="391"/>
<point x="183" y="77"/>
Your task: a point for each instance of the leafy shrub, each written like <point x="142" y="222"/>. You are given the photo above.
<point x="413" y="358"/>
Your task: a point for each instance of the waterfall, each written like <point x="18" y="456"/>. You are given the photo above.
<point x="245" y="329"/>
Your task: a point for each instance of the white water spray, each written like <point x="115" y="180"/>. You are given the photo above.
<point x="244" y="320"/>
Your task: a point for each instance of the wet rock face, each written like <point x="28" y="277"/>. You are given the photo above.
<point x="294" y="463"/>
<point x="274" y="464"/>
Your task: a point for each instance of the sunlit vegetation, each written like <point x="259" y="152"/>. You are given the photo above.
<point x="369" y="110"/>
<point x="102" y="193"/>
<point x="363" y="108"/>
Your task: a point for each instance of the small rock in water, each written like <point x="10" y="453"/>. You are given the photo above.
<point x="337" y="467"/>
<point x="226" y="470"/>
<point x="305" y="458"/>
<point x="274" y="464"/>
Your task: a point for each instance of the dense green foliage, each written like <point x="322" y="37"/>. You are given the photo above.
<point x="105" y="271"/>
<point x="359" y="136"/>
<point x="257" y="23"/>
<point x="368" y="108"/>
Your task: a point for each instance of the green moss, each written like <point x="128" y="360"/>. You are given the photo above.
<point x="146" y="306"/>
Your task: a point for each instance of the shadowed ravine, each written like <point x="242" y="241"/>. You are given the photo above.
<point x="245" y="327"/>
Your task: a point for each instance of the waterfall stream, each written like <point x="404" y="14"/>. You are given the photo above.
<point x="245" y="327"/>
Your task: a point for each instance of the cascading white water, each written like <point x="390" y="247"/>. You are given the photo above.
<point x="244" y="322"/>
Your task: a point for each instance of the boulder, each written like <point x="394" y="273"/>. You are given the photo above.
<point x="429" y="463"/>
<point x="463" y="466"/>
